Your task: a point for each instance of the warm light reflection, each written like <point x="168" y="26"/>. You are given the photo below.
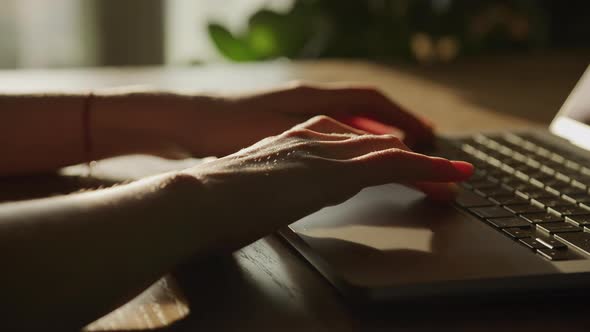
<point x="575" y="131"/>
<point x="377" y="237"/>
<point x="159" y="306"/>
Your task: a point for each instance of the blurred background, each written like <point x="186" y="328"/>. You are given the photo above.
<point x="76" y="33"/>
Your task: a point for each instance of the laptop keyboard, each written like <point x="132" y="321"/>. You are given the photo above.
<point x="530" y="190"/>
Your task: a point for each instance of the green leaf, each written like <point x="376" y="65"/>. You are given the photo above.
<point x="273" y="34"/>
<point x="231" y="47"/>
<point x="265" y="35"/>
<point x="263" y="41"/>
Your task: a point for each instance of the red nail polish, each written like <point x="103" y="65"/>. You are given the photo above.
<point x="463" y="167"/>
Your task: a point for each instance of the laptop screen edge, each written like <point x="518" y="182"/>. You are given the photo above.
<point x="564" y="126"/>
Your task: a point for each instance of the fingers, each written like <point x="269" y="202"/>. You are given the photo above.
<point x="326" y="124"/>
<point x="346" y="143"/>
<point x="304" y="133"/>
<point x="377" y="159"/>
<point x="359" y="145"/>
<point x="373" y="105"/>
<point x="396" y="165"/>
<point x="348" y="104"/>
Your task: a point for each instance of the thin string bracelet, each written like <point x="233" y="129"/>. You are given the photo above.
<point x="86" y="132"/>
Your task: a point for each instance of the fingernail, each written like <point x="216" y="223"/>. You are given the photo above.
<point x="463" y="167"/>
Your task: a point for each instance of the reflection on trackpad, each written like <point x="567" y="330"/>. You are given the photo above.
<point x="377" y="237"/>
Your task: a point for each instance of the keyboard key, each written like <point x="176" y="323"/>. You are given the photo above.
<point x="521" y="158"/>
<point x="555" y="183"/>
<point x="478" y="175"/>
<point x="532" y="162"/>
<point x="491" y="178"/>
<point x="583" y="176"/>
<point x="541" y="218"/>
<point x="555" y="255"/>
<point x="504" y="178"/>
<point x="585" y="199"/>
<point x="553" y="191"/>
<point x="520" y="186"/>
<point x="563" y="177"/>
<point x="572" y="165"/>
<point x="482" y="184"/>
<point x="550" y="202"/>
<point x="491" y="212"/>
<point x="539" y="193"/>
<point x="529" y="145"/>
<point x="512" y="138"/>
<point x="539" y="175"/>
<point x="509" y="222"/>
<point x="547" y="170"/>
<point x="558" y="227"/>
<point x="582" y="181"/>
<point x="518" y="233"/>
<point x="494" y="192"/>
<point x="495" y="173"/>
<point x="569" y="199"/>
<point x="469" y="199"/>
<point x="551" y="243"/>
<point x="572" y="191"/>
<point x="557" y="167"/>
<point x="522" y="167"/>
<point x="524" y="209"/>
<point x="579" y="221"/>
<point x="537" y="182"/>
<point x="567" y="210"/>
<point x="521" y="175"/>
<point x="506" y="200"/>
<point x="532" y="243"/>
<point x="580" y="240"/>
<point x="465" y="185"/>
<point x="557" y="158"/>
<point x="510" y="181"/>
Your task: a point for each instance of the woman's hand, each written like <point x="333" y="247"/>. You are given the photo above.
<point x="318" y="163"/>
<point x="239" y="121"/>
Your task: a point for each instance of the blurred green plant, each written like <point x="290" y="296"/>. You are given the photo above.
<point x="419" y="30"/>
<point x="269" y="34"/>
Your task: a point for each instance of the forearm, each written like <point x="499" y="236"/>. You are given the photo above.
<point x="40" y="132"/>
<point x="87" y="253"/>
<point x="159" y="123"/>
<point x="44" y="132"/>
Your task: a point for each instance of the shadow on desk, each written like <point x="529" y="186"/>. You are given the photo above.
<point x="224" y="299"/>
<point x="245" y="292"/>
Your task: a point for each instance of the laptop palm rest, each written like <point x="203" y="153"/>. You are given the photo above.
<point x="392" y="240"/>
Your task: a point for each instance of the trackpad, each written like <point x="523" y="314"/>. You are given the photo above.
<point x="392" y="235"/>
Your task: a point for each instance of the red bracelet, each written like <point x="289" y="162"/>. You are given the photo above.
<point x="86" y="127"/>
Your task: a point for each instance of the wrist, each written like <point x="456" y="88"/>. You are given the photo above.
<point x="146" y="123"/>
<point x="194" y="207"/>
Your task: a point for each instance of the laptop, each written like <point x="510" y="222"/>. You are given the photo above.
<point x="520" y="224"/>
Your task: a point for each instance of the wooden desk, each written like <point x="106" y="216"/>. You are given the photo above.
<point x="266" y="285"/>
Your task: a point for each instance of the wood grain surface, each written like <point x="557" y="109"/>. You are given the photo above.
<point x="266" y="285"/>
